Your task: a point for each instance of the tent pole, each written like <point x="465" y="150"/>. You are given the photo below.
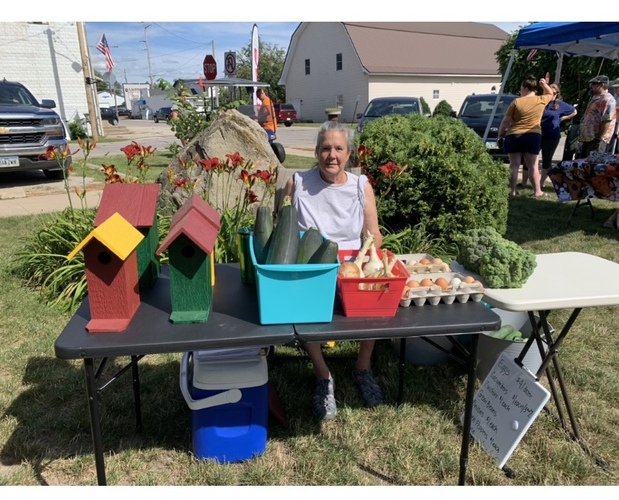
<point x="498" y="96"/>
<point x="559" y="67"/>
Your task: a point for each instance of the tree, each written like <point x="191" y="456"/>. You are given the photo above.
<point x="162" y="84"/>
<point x="443" y="108"/>
<point x="270" y="66"/>
<point x="425" y="109"/>
<point x="103" y="85"/>
<point x="575" y="72"/>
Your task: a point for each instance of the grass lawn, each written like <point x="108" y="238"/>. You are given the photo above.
<point x="45" y="436"/>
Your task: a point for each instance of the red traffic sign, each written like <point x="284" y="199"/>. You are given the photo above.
<point x="210" y="67"/>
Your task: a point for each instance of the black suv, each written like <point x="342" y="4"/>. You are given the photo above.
<point x="29" y="131"/>
<point x="475" y="113"/>
<point x="109" y="115"/>
<point x="162" y="114"/>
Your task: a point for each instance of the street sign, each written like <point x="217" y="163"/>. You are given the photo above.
<point x="210" y="67"/>
<point x="230" y="63"/>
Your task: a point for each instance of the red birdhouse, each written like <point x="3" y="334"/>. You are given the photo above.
<point x="137" y="203"/>
<point x="111" y="274"/>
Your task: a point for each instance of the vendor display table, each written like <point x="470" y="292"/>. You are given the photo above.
<point x="234" y="322"/>
<point x="583" y="179"/>
<point x="569" y="280"/>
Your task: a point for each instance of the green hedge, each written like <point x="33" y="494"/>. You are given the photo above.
<point x="450" y="184"/>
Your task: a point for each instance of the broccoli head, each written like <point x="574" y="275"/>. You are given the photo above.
<point x="473" y="243"/>
<point x="506" y="265"/>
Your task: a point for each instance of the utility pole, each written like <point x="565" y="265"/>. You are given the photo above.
<point x="150" y="70"/>
<point x="88" y="76"/>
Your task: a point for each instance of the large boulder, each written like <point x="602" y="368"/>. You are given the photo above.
<point x="229" y="133"/>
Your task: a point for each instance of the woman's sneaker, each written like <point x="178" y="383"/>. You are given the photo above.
<point x="323" y="402"/>
<point x="370" y="391"/>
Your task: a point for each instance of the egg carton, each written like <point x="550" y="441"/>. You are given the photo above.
<point x="411" y="262"/>
<point x="461" y="292"/>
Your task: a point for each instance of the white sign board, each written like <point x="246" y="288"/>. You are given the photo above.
<point x="230" y="63"/>
<point x="505" y="406"/>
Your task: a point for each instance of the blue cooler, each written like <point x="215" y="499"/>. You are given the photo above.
<point x="229" y="401"/>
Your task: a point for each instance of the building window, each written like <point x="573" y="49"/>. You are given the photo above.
<point x="307" y="66"/>
<point x="338" y="62"/>
<point x="436" y="94"/>
<point x="339" y="100"/>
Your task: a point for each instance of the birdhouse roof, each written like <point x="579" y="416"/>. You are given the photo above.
<point x="116" y="233"/>
<point x="196" y="203"/>
<point x="137" y="203"/>
<point x="194" y="224"/>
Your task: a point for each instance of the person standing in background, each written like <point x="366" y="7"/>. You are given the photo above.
<point x="556" y="111"/>
<point x="523" y="133"/>
<point x="266" y="112"/>
<point x="598" y="123"/>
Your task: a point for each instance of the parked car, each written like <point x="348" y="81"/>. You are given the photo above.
<point x="384" y="106"/>
<point x="29" y="129"/>
<point x="123" y="111"/>
<point x="162" y="114"/>
<point x="109" y="114"/>
<point x="286" y="114"/>
<point x="475" y="113"/>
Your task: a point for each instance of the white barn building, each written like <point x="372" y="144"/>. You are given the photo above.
<point x="345" y="65"/>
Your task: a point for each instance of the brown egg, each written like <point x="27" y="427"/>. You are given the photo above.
<point x="437" y="261"/>
<point x="425" y="262"/>
<point x="442" y="282"/>
<point x="426" y="282"/>
<point x="468" y="279"/>
<point x="412" y="284"/>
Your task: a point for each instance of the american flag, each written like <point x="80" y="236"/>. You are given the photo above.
<point x="104" y="48"/>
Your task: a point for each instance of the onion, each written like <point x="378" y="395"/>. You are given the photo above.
<point x="349" y="269"/>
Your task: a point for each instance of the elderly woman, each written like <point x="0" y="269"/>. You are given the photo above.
<point x="342" y="207"/>
<point x="522" y="132"/>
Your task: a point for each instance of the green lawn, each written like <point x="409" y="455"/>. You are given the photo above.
<point x="45" y="435"/>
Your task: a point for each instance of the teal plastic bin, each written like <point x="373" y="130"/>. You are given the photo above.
<point x="294" y="293"/>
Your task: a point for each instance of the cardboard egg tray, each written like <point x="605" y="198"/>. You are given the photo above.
<point x="411" y="262"/>
<point x="462" y="292"/>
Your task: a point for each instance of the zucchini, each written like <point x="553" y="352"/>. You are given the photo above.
<point x="310" y="242"/>
<point x="285" y="238"/>
<point x="326" y="253"/>
<point x="263" y="229"/>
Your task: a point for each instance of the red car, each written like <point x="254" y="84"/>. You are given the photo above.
<point x="286" y="114"/>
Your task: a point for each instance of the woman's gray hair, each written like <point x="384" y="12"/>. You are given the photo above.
<point x="333" y="126"/>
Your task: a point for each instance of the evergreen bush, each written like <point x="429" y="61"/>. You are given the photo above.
<point x="435" y="172"/>
<point x="443" y="108"/>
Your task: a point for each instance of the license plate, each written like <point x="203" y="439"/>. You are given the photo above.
<point x="491" y="145"/>
<point x="9" y="161"/>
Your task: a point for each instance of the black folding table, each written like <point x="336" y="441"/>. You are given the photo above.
<point x="234" y="322"/>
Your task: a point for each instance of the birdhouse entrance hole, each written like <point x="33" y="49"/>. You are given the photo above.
<point x="188" y="252"/>
<point x="104" y="258"/>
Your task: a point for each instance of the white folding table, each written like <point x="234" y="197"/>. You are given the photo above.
<point x="567" y="280"/>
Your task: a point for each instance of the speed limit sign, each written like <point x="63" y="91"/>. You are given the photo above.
<point x="230" y="63"/>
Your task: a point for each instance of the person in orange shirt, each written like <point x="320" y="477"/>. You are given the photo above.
<point x="266" y="113"/>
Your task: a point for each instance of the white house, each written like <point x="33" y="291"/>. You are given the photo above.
<point x="345" y="65"/>
<point x="46" y="58"/>
<point x="108" y="100"/>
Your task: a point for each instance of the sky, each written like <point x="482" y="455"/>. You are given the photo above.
<point x="175" y="40"/>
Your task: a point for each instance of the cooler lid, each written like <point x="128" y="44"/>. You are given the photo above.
<point x="231" y="373"/>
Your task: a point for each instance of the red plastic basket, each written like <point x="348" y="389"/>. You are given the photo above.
<point x="359" y="302"/>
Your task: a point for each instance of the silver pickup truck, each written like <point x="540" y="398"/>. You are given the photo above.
<point x="29" y="130"/>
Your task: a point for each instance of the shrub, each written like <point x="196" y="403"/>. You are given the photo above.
<point x="435" y="172"/>
<point x="443" y="108"/>
<point x="425" y="109"/>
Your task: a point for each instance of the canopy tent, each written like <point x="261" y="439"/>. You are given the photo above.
<point x="572" y="39"/>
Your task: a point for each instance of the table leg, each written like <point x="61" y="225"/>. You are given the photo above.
<point x="552" y="356"/>
<point x="95" y="423"/>
<point x="468" y="409"/>
<point x="402" y="367"/>
<point x="136" y="392"/>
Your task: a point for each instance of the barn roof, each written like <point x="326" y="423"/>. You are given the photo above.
<point x="116" y="233"/>
<point x="137" y="203"/>
<point x="427" y="47"/>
